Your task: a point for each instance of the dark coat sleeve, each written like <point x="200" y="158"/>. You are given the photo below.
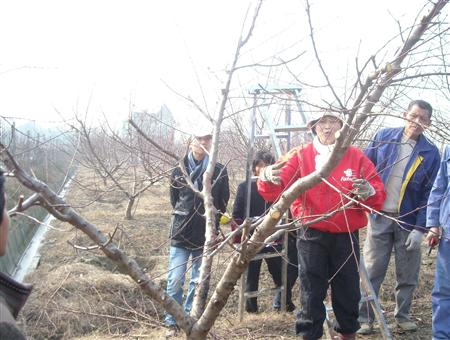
<point x="239" y="202"/>
<point x="174" y="188"/>
<point x="224" y="194"/>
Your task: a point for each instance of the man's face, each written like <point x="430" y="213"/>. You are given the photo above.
<point x="417" y="119"/>
<point x="261" y="164"/>
<point x="326" y="129"/>
<point x="200" y="146"/>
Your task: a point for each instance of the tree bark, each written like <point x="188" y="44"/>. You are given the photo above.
<point x="128" y="213"/>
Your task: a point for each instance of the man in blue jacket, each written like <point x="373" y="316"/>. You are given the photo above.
<point x="407" y="163"/>
<point x="438" y="220"/>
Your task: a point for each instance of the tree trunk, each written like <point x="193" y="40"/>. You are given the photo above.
<point x="129" y="214"/>
<point x="201" y="292"/>
<point x="196" y="336"/>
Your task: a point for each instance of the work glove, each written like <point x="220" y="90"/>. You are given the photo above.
<point x="271" y="173"/>
<point x="224" y="219"/>
<point x="362" y="188"/>
<point x="414" y="240"/>
<point x="433" y="236"/>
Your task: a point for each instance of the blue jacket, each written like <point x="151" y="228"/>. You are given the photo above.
<point x="418" y="177"/>
<point x="438" y="214"/>
<point x="438" y="211"/>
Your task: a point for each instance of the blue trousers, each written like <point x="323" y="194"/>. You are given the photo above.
<point x="383" y="236"/>
<point x="178" y="266"/>
<point x="440" y="296"/>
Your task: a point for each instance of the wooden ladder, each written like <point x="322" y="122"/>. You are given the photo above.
<point x="275" y="134"/>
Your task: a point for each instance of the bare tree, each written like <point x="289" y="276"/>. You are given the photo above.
<point x="372" y="81"/>
<point x="122" y="161"/>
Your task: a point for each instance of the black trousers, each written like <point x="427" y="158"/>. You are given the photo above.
<point x="292" y="270"/>
<point x="274" y="265"/>
<point x="327" y="259"/>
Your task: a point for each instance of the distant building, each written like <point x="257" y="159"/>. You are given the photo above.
<point x="157" y="125"/>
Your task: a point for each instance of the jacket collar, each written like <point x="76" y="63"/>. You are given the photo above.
<point x="422" y="144"/>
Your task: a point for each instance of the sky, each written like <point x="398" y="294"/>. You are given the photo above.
<point x="63" y="58"/>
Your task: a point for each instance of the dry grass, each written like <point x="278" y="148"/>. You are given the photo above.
<point x="81" y="294"/>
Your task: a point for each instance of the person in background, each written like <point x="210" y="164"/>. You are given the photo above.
<point x="187" y="232"/>
<point x="408" y="163"/>
<point x="328" y="249"/>
<point x="8" y="327"/>
<point x="259" y="207"/>
<point x="438" y="222"/>
<point x="4" y="217"/>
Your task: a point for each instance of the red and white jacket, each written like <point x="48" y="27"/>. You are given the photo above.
<point x="321" y="198"/>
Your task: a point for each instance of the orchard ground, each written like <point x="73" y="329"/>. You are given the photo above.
<point x="80" y="294"/>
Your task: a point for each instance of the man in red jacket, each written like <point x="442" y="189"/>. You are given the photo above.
<point x="328" y="250"/>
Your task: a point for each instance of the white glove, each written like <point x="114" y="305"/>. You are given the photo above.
<point x="362" y="188"/>
<point x="271" y="173"/>
<point x="414" y="240"/>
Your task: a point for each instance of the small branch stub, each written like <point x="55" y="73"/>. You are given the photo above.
<point x="275" y="215"/>
<point x="19" y="204"/>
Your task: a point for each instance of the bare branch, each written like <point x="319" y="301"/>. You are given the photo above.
<point x="151" y="141"/>
<point x="98" y="246"/>
<point x="324" y="73"/>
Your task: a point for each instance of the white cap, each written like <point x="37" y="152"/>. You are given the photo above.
<point x="202" y="130"/>
<point x="313" y="121"/>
